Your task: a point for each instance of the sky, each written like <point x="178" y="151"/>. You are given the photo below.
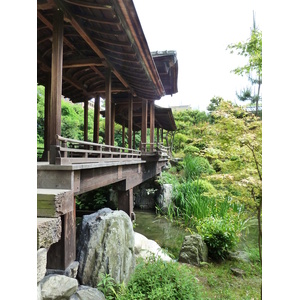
<point x="200" y="31"/>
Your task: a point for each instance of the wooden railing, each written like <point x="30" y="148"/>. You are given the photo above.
<point x="74" y="151"/>
<point x="155" y="149"/>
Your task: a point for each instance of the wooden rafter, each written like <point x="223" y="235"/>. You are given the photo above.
<point x="83" y="62"/>
<point x="89" y="4"/>
<point x="89" y="40"/>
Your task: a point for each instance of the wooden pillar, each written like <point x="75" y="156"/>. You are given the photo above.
<point x="61" y="254"/>
<point x="152" y="124"/>
<point x="45" y="156"/>
<point x="96" y="119"/>
<point x="113" y="116"/>
<point x="130" y="121"/>
<point x="125" y="202"/>
<point x="56" y="80"/>
<point x="133" y="139"/>
<point x="86" y="118"/>
<point x="123" y="135"/>
<point x="108" y="106"/>
<point x="144" y="120"/>
<point x="162" y="136"/>
<point x="157" y="136"/>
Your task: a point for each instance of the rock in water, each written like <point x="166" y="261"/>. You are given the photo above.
<point x="146" y="248"/>
<point x="193" y="250"/>
<point x="105" y="245"/>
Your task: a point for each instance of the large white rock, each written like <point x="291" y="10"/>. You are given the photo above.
<point x="58" y="287"/>
<point x="144" y="248"/>
<point x="87" y="293"/>
<point x="41" y="263"/>
<point x="106" y="245"/>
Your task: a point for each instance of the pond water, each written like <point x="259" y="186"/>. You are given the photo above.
<point x="168" y="235"/>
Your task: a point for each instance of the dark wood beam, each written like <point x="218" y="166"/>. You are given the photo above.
<point x="50" y="26"/>
<point x="89" y="4"/>
<point x="78" y="27"/>
<point x="83" y="62"/>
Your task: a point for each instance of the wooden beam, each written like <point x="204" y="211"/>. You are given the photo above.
<point x="56" y="77"/>
<point x="77" y="26"/>
<point x="50" y="26"/>
<point x="89" y="4"/>
<point x="83" y="62"/>
<point x="97" y="20"/>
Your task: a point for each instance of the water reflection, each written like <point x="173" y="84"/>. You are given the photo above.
<point x="168" y="235"/>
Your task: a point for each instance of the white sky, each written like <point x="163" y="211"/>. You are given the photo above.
<point x="200" y="31"/>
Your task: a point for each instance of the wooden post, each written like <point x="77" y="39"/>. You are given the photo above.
<point x="113" y="116"/>
<point x="152" y="124"/>
<point x="45" y="156"/>
<point x="86" y="118"/>
<point x="108" y="106"/>
<point x="96" y="119"/>
<point x="56" y="79"/>
<point x="157" y="136"/>
<point x="123" y="135"/>
<point x="125" y="202"/>
<point x="130" y="121"/>
<point x="61" y="254"/>
<point x="144" y="120"/>
<point x="134" y="140"/>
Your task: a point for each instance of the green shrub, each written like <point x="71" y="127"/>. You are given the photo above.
<point x="221" y="235"/>
<point x="195" y="166"/>
<point x="156" y="279"/>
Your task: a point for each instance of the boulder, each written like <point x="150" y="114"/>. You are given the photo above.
<point x="58" y="287"/>
<point x="48" y="231"/>
<point x="105" y="245"/>
<point x="87" y="293"/>
<point x="41" y="263"/>
<point x="193" y="250"/>
<point x="144" y="248"/>
<point x="164" y="199"/>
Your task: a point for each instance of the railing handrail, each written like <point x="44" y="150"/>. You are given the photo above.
<point x="63" y="139"/>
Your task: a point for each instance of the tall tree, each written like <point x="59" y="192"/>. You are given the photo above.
<point x="252" y="49"/>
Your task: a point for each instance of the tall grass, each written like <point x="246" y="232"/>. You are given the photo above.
<point x="192" y="202"/>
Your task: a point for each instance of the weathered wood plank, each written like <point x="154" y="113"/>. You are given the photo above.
<point x="54" y="202"/>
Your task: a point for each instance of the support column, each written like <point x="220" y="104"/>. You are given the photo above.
<point x="134" y="139"/>
<point x="157" y="136"/>
<point x="125" y="202"/>
<point x="130" y="121"/>
<point x="56" y="80"/>
<point x="144" y="120"/>
<point x="61" y="254"/>
<point x="113" y="116"/>
<point x="123" y="135"/>
<point x="152" y="124"/>
<point x="108" y="106"/>
<point x="86" y="118"/>
<point x="47" y="95"/>
<point x="96" y="119"/>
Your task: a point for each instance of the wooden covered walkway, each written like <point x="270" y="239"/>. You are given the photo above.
<point x="87" y="49"/>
